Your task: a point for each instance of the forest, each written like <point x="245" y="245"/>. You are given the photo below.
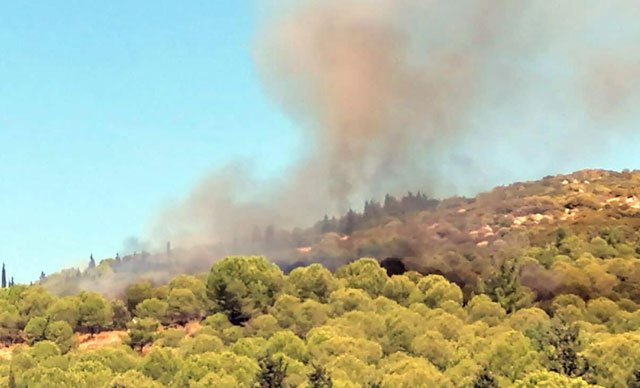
<point x="534" y="284"/>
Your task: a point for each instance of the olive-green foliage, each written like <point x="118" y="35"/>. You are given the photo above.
<point x="161" y="364"/>
<point x="141" y="332"/>
<point x="364" y="274"/>
<point x="153" y="308"/>
<point x="201" y="343"/>
<point x="34" y="331"/>
<point x="137" y="292"/>
<point x="358" y="328"/>
<point x="313" y="282"/>
<point x="65" y="309"/>
<point x="95" y="312"/>
<point x="243" y="286"/>
<point x="61" y="334"/>
<point x="183" y="306"/>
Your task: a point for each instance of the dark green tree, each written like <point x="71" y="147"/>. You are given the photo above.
<point x="4" y="277"/>
<point x="485" y="379"/>
<point x="504" y="287"/>
<point x="241" y="286"/>
<point x="350" y="222"/>
<point x="320" y="378"/>
<point x="563" y="343"/>
<point x="273" y="371"/>
<point x="634" y="379"/>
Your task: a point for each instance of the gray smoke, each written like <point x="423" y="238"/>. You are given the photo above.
<point x="445" y="96"/>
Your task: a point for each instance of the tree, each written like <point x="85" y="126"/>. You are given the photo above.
<point x="34" y="330"/>
<point x="183" y="306"/>
<point x="273" y="371"/>
<point x="4" y="277"/>
<point x="320" y="378"/>
<point x="563" y="345"/>
<point x="136" y="293"/>
<point x="485" y="379"/>
<point x="121" y="315"/>
<point x="92" y="262"/>
<point x="95" y="312"/>
<point x="350" y="222"/>
<point x="504" y="287"/>
<point x="133" y="379"/>
<point x="201" y="343"/>
<point x="313" y="282"/>
<point x="241" y="286"/>
<point x="65" y="309"/>
<point x="161" y="365"/>
<point x="365" y="274"/>
<point x="141" y="331"/>
<point x="153" y="308"/>
<point x="61" y="334"/>
<point x="438" y="290"/>
<point x="326" y="225"/>
<point x="9" y="322"/>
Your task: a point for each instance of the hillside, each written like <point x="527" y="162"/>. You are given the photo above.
<point x="531" y="284"/>
<point x="546" y="224"/>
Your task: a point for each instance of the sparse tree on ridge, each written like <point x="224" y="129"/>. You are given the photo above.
<point x="4" y="277"/>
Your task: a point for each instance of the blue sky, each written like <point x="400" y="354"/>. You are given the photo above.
<point x="110" y="110"/>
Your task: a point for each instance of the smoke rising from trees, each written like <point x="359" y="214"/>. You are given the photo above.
<point x="448" y="97"/>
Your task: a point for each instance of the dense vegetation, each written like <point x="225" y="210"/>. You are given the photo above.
<point x="535" y="284"/>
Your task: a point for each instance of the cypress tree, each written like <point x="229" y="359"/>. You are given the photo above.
<point x="4" y="277"/>
<point x="92" y="262"/>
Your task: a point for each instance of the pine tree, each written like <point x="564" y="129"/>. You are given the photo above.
<point x="564" y="341"/>
<point x="4" y="277"/>
<point x="11" y="283"/>
<point x="42" y="275"/>
<point x="272" y="373"/>
<point x="485" y="380"/>
<point x="504" y="287"/>
<point x="92" y="262"/>
<point x="326" y="225"/>
<point x="350" y="222"/>
<point x="320" y="378"/>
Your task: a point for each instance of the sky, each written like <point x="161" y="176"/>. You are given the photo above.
<point x="112" y="111"/>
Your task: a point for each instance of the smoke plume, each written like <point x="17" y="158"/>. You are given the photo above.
<point x="445" y="96"/>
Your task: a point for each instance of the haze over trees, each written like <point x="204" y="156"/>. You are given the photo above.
<point x="535" y="284"/>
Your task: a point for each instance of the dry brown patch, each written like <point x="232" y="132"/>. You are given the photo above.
<point x="192" y="327"/>
<point x="100" y="340"/>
